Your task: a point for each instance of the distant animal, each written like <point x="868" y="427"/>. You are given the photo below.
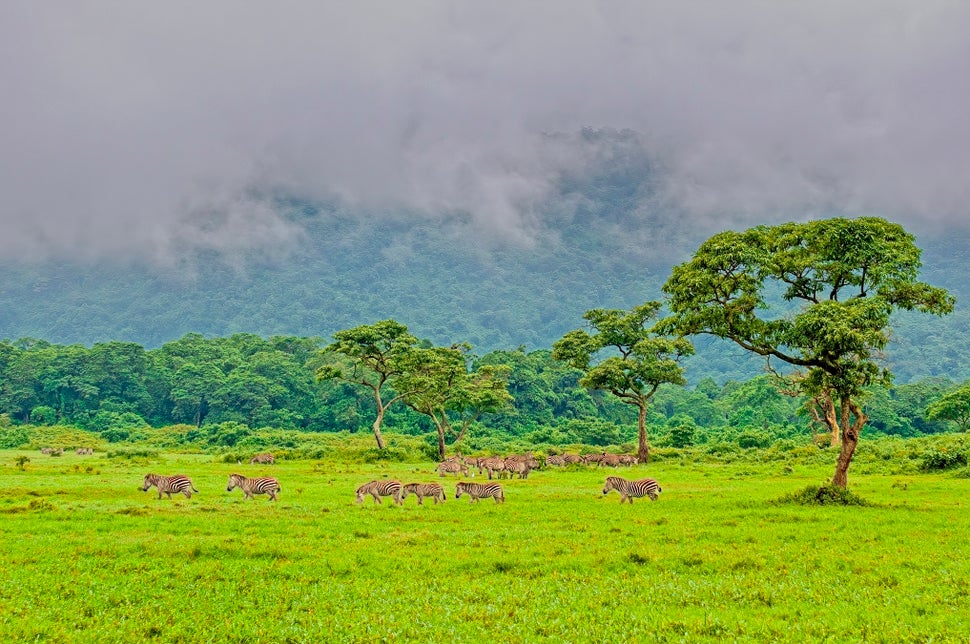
<point x="592" y="459"/>
<point x="253" y="486"/>
<point x="452" y="466"/>
<point x="377" y="489"/>
<point x="477" y="491"/>
<point x="632" y="489"/>
<point x="573" y="459"/>
<point x="421" y="490"/>
<point x="520" y="465"/>
<point x="84" y="450"/>
<point x="610" y="460"/>
<point x="492" y="465"/>
<point x="265" y="458"/>
<point x="179" y="484"/>
<point x="556" y="460"/>
<point x="628" y="459"/>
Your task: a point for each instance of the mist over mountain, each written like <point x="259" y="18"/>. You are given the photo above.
<point x="605" y="237"/>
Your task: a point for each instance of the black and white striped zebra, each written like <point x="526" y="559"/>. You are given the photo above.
<point x="632" y="489"/>
<point x="452" y="466"/>
<point x="492" y="465"/>
<point x="377" y="489"/>
<point x="610" y="460"/>
<point x="556" y="460"/>
<point x="628" y="459"/>
<point x="264" y="458"/>
<point x="421" y="490"/>
<point x="521" y="465"/>
<point x="478" y="491"/>
<point x="169" y="484"/>
<point x="573" y="459"/>
<point x="253" y="486"/>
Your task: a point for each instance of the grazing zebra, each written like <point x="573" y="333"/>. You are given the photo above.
<point x="252" y="486"/>
<point x="632" y="489"/>
<point x="84" y="450"/>
<point x="492" y="464"/>
<point x="557" y="460"/>
<point x="452" y="466"/>
<point x="476" y="491"/>
<point x="421" y="490"/>
<point x="573" y="459"/>
<point x="377" y="489"/>
<point x="628" y="459"/>
<point x="520" y="465"/>
<point x="168" y="484"/>
<point x="609" y="460"/>
<point x="592" y="459"/>
<point x="265" y="458"/>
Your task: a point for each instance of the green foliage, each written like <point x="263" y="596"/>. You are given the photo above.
<point x="824" y="495"/>
<point x="953" y="406"/>
<point x="941" y="459"/>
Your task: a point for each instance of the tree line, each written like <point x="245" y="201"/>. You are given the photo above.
<point x="815" y="298"/>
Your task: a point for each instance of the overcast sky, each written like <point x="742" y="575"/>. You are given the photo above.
<point x="138" y="128"/>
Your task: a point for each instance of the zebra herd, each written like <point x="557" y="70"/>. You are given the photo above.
<point x="494" y="466"/>
<point x="181" y="484"/>
<point x="398" y="492"/>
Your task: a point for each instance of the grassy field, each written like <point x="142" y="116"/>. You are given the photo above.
<point x="88" y="557"/>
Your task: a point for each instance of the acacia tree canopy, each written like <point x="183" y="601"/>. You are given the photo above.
<point x="640" y="362"/>
<point x="816" y="295"/>
<point x="374" y="356"/>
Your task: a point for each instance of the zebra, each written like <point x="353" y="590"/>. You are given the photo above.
<point x="609" y="460"/>
<point x="492" y="464"/>
<point x="592" y="459"/>
<point x="628" y="459"/>
<point x="476" y="491"/>
<point x="252" y="486"/>
<point x="84" y="450"/>
<point x="421" y="490"/>
<point x="377" y="489"/>
<point x="168" y="484"/>
<point x="556" y="459"/>
<point x="632" y="489"/>
<point x="520" y="465"/>
<point x="264" y="458"/>
<point x="572" y="459"/>
<point x="452" y="466"/>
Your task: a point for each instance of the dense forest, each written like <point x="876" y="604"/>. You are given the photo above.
<point x="222" y="389"/>
<point x="446" y="277"/>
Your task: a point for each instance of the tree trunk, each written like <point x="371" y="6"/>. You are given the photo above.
<point x="377" y="427"/>
<point x="850" y="439"/>
<point x="441" y="443"/>
<point x="832" y="420"/>
<point x="643" y="448"/>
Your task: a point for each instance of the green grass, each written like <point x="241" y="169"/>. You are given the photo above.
<point x="88" y="557"/>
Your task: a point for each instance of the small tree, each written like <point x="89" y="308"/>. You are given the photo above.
<point x="625" y="357"/>
<point x="438" y="383"/>
<point x="953" y="405"/>
<point x="846" y="275"/>
<point x="375" y="354"/>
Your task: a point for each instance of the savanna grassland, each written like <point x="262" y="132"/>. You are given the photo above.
<point x="88" y="557"/>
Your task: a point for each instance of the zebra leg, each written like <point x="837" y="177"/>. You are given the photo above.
<point x="420" y="499"/>
<point x="377" y="498"/>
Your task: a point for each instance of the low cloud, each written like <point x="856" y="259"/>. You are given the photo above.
<point x="144" y="131"/>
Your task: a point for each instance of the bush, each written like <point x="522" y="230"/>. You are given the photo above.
<point x="824" y="495"/>
<point x="43" y="415"/>
<point x="941" y="459"/>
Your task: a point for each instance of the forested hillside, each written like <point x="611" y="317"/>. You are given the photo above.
<point x="446" y="278"/>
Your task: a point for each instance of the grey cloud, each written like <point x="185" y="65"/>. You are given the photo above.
<point x="145" y="129"/>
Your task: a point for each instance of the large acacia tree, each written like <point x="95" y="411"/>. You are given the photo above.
<point x="374" y="355"/>
<point x="815" y="295"/>
<point x="440" y="383"/>
<point x="626" y="357"/>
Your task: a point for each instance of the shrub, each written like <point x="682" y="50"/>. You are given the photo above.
<point x="823" y="495"/>
<point x="941" y="459"/>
